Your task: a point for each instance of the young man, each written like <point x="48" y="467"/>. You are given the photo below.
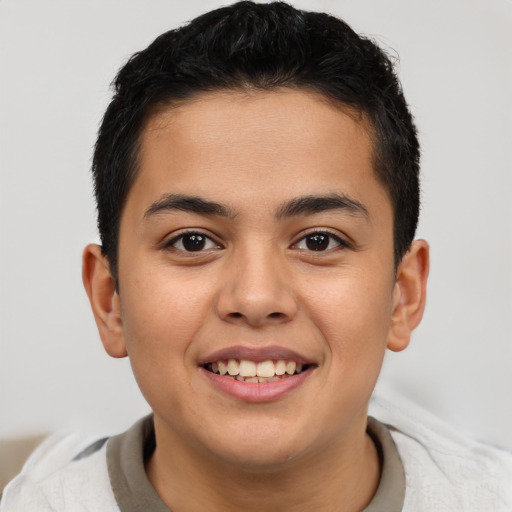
<point x="256" y="176"/>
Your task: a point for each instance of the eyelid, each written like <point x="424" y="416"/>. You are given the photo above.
<point x="340" y="239"/>
<point x="168" y="243"/>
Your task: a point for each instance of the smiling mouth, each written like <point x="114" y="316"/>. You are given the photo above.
<point x="250" y="371"/>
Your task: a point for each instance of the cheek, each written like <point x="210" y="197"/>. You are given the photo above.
<point x="353" y="314"/>
<point x="162" y="311"/>
<point x="161" y="316"/>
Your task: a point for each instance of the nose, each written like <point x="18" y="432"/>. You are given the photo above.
<point x="256" y="290"/>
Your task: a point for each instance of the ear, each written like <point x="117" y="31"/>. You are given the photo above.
<point x="409" y="295"/>
<point x="104" y="299"/>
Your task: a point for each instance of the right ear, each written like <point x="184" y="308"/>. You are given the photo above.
<point x="106" y="306"/>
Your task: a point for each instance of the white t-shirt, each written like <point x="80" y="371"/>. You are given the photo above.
<point x="427" y="467"/>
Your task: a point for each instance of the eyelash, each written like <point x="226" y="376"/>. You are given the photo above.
<point x="171" y="244"/>
<point x="206" y="239"/>
<point x="341" y="243"/>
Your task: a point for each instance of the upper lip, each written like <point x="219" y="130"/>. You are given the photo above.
<point x="256" y="354"/>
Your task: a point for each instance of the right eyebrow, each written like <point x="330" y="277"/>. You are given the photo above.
<point x="185" y="203"/>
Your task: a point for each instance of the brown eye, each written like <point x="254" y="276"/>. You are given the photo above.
<point x="317" y="242"/>
<point x="192" y="242"/>
<point x="320" y="241"/>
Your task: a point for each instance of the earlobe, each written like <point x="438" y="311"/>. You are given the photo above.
<point x="104" y="299"/>
<point x="409" y="295"/>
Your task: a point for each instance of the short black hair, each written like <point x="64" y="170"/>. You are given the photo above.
<point x="258" y="47"/>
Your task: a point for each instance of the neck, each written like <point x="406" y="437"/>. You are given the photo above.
<point x="342" y="477"/>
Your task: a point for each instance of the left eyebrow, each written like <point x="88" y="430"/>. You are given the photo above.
<point x="317" y="204"/>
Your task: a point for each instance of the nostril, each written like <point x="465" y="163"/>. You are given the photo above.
<point x="275" y="315"/>
<point x="236" y="315"/>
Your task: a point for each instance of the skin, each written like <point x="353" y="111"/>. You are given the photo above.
<point x="258" y="284"/>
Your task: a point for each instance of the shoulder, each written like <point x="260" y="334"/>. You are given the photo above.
<point x="444" y="470"/>
<point x="66" y="472"/>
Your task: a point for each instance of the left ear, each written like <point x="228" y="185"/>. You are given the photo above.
<point x="409" y="295"/>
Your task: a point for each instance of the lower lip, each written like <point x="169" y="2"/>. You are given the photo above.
<point x="256" y="391"/>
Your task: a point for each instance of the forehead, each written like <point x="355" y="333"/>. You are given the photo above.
<point x="261" y="145"/>
<point x="249" y="117"/>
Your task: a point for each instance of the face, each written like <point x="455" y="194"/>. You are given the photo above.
<point x="256" y="238"/>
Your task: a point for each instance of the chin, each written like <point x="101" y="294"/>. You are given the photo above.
<point x="259" y="448"/>
<point x="260" y="460"/>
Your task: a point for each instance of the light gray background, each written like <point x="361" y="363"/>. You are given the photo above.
<point x="57" y="59"/>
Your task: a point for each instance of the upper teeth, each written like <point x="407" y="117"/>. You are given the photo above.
<point x="246" y="368"/>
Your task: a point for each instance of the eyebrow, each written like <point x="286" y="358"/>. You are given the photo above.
<point x="193" y="204"/>
<point x="317" y="204"/>
<point x="299" y="206"/>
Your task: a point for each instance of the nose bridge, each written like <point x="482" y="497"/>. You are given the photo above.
<point x="255" y="288"/>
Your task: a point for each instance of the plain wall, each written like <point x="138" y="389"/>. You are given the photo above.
<point x="57" y="59"/>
